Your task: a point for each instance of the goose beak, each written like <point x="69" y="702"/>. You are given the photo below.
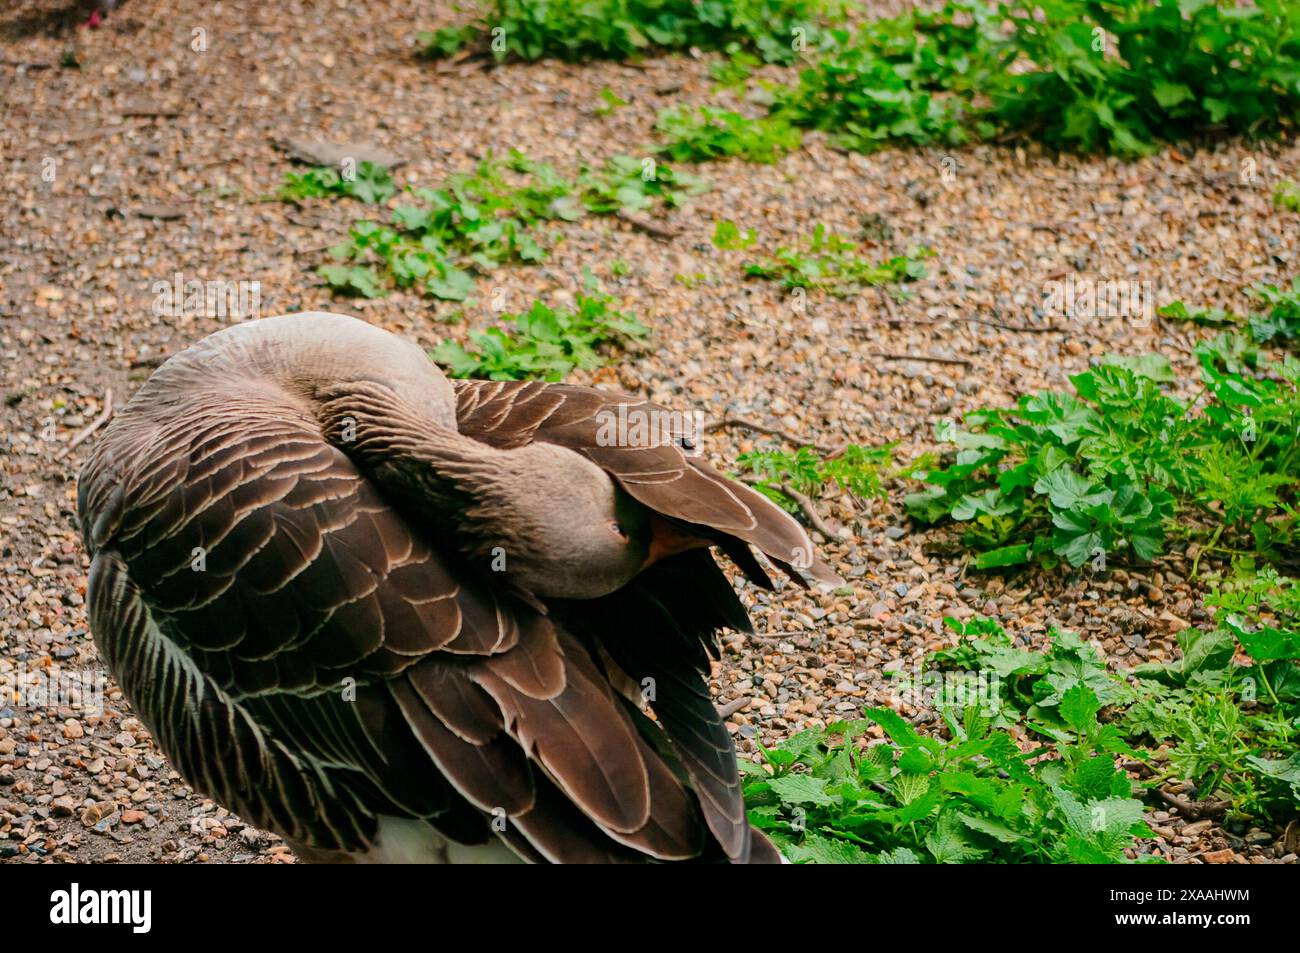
<point x="667" y="539"/>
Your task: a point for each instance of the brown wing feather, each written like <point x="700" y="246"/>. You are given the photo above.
<point x="658" y="626"/>
<point x="657" y="471"/>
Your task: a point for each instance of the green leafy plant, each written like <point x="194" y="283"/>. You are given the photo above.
<point x="829" y="262"/>
<point x="1205" y="317"/>
<point x="897" y="79"/>
<point x="728" y="236"/>
<point x="631" y="184"/>
<point x="1228" y="727"/>
<point x="371" y="184"/>
<point x="1026" y="685"/>
<point x="1279" y="324"/>
<point x="1103" y="470"/>
<point x="736" y="69"/>
<point x="975" y="797"/>
<point x="477" y="221"/>
<point x="855" y="469"/>
<point x="620" y="29"/>
<point x="1282" y="321"/>
<point x="1122" y="74"/>
<point x="1232" y="728"/>
<point x="545" y="343"/>
<point x="610" y="101"/>
<point x="708" y="133"/>
<point x="1117" y="76"/>
<point x="1286" y="194"/>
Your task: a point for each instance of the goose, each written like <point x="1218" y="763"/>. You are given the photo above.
<point x="397" y="618"/>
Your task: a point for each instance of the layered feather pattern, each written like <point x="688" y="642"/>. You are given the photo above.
<point x="285" y="610"/>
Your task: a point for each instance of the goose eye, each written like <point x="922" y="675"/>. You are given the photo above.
<point x="618" y="531"/>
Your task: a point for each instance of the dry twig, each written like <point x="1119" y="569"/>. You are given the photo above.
<point x="94" y="424"/>
<point x="886" y="355"/>
<point x="1194" y="810"/>
<point x="731" y="707"/>
<point x="665" y="233"/>
<point x="810" y="513"/>
<point x="829" y="451"/>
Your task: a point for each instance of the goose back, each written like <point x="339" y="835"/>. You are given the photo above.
<point x="308" y="655"/>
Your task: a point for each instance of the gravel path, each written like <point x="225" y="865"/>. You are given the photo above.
<point x="162" y="156"/>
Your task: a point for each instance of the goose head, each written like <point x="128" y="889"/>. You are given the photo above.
<point x="560" y="527"/>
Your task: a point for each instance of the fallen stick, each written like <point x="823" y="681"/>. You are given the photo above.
<point x="94" y="424"/>
<point x="146" y="111"/>
<point x="810" y="513"/>
<point x="731" y="707"/>
<point x="889" y="303"/>
<point x="920" y="357"/>
<point x="1028" y="329"/>
<point x="649" y="226"/>
<point x="805" y="506"/>
<point x="1193" y="810"/>
<point x="85" y="135"/>
<point x="747" y="424"/>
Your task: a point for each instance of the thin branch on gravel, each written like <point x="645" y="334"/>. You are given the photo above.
<point x="1194" y="810"/>
<point x="84" y="135"/>
<point x="827" y="450"/>
<point x="665" y="233"/>
<point x="889" y="303"/>
<point x="1028" y="329"/>
<point x="920" y="357"/>
<point x="94" y="424"/>
<point x="731" y="707"/>
<point x="810" y="513"/>
<point x="476" y="56"/>
<point x="141" y="111"/>
<point x="806" y="507"/>
<point x="23" y="64"/>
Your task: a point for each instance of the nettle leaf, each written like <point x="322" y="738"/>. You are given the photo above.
<point x="1169" y="94"/>
<point x="991" y="827"/>
<point x="802" y="789"/>
<point x="1155" y="367"/>
<point x="1094" y="778"/>
<point x="899" y="731"/>
<point x="908" y="788"/>
<point x="817" y="849"/>
<point x="921" y="807"/>
<point x="899" y="855"/>
<point x="779" y="758"/>
<point x="914" y="761"/>
<point x="1071" y="809"/>
<point x="1079" y="707"/>
<point x="948" y="842"/>
<point x="1114" y="815"/>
